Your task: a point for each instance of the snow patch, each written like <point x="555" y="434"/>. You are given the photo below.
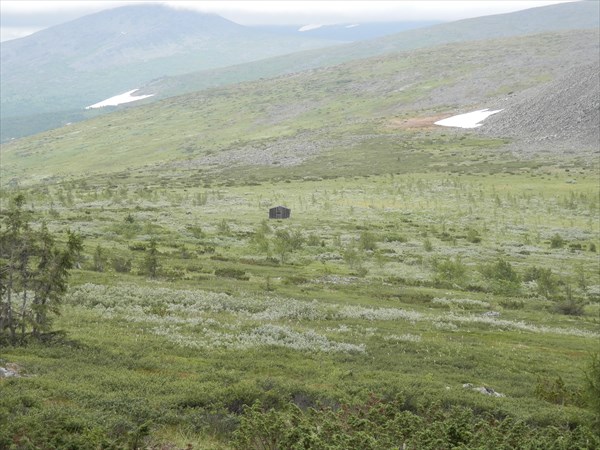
<point x="468" y="120"/>
<point x="119" y="99"/>
<point x="352" y="26"/>
<point x="309" y="27"/>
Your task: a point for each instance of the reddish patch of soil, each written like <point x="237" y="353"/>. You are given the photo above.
<point x="418" y="122"/>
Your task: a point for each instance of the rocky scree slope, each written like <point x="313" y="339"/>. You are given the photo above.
<point x="562" y="116"/>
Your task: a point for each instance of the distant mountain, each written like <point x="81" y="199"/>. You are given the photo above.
<point x="76" y="64"/>
<point x="347" y="32"/>
<point x="566" y="16"/>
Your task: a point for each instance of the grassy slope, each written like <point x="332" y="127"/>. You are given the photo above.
<point x="184" y="352"/>
<point x="169" y="357"/>
<point x="315" y="116"/>
<point x="65" y="68"/>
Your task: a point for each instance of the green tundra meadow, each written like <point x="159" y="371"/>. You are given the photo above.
<point x="433" y="288"/>
<point x="188" y="306"/>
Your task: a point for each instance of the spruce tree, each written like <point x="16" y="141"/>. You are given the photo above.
<point x="34" y="272"/>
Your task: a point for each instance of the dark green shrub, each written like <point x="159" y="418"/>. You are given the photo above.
<point x="390" y="237"/>
<point x="573" y="246"/>
<point x="557" y="241"/>
<point x="313" y="240"/>
<point x="473" y="236"/>
<point x="56" y="428"/>
<point x="367" y="241"/>
<point x="500" y="270"/>
<point x="228" y="272"/>
<point x="136" y="437"/>
<point x="150" y="264"/>
<point x="569" y="307"/>
<point x="568" y="304"/>
<point x="556" y="391"/>
<point x="353" y="256"/>
<point x="446" y="237"/>
<point x="427" y="245"/>
<point x="196" y="231"/>
<point x="380" y="425"/>
<point x="224" y="228"/>
<point x="285" y="242"/>
<point x="502" y="277"/>
<point x="205" y="249"/>
<point x="121" y="264"/>
<point x="592" y="388"/>
<point x="137" y="246"/>
<point x="449" y="270"/>
<point x="260" y="238"/>
<point x="173" y="273"/>
<point x="547" y="283"/>
<point x="127" y="229"/>
<point x="295" y="280"/>
<point x="510" y="303"/>
<point x="100" y="259"/>
<point x="297" y="240"/>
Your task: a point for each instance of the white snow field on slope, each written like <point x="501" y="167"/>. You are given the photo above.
<point x="119" y="99"/>
<point x="468" y="120"/>
<point x="309" y="27"/>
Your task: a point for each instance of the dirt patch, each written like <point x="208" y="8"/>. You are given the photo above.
<point x="418" y="122"/>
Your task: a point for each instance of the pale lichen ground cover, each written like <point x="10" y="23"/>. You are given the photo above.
<point x="203" y="319"/>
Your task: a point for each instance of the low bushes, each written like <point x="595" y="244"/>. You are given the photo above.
<point x="379" y="424"/>
<point x="228" y="272"/>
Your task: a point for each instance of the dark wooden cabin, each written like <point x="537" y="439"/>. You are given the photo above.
<point x="279" y="212"/>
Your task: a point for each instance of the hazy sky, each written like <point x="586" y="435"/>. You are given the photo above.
<point x="22" y="17"/>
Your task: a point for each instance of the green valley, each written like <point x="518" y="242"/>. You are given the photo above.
<point x="434" y="287"/>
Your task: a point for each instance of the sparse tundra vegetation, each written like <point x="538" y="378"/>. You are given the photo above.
<point x="406" y="285"/>
<point x="433" y="288"/>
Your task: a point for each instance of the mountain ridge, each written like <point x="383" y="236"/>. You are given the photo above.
<point x="97" y="56"/>
<point x="577" y="15"/>
<point x="563" y="16"/>
<point x="116" y="29"/>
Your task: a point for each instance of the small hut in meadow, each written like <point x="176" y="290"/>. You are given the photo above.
<point x="279" y="212"/>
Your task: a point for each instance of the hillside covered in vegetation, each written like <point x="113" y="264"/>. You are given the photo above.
<point x="434" y="287"/>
